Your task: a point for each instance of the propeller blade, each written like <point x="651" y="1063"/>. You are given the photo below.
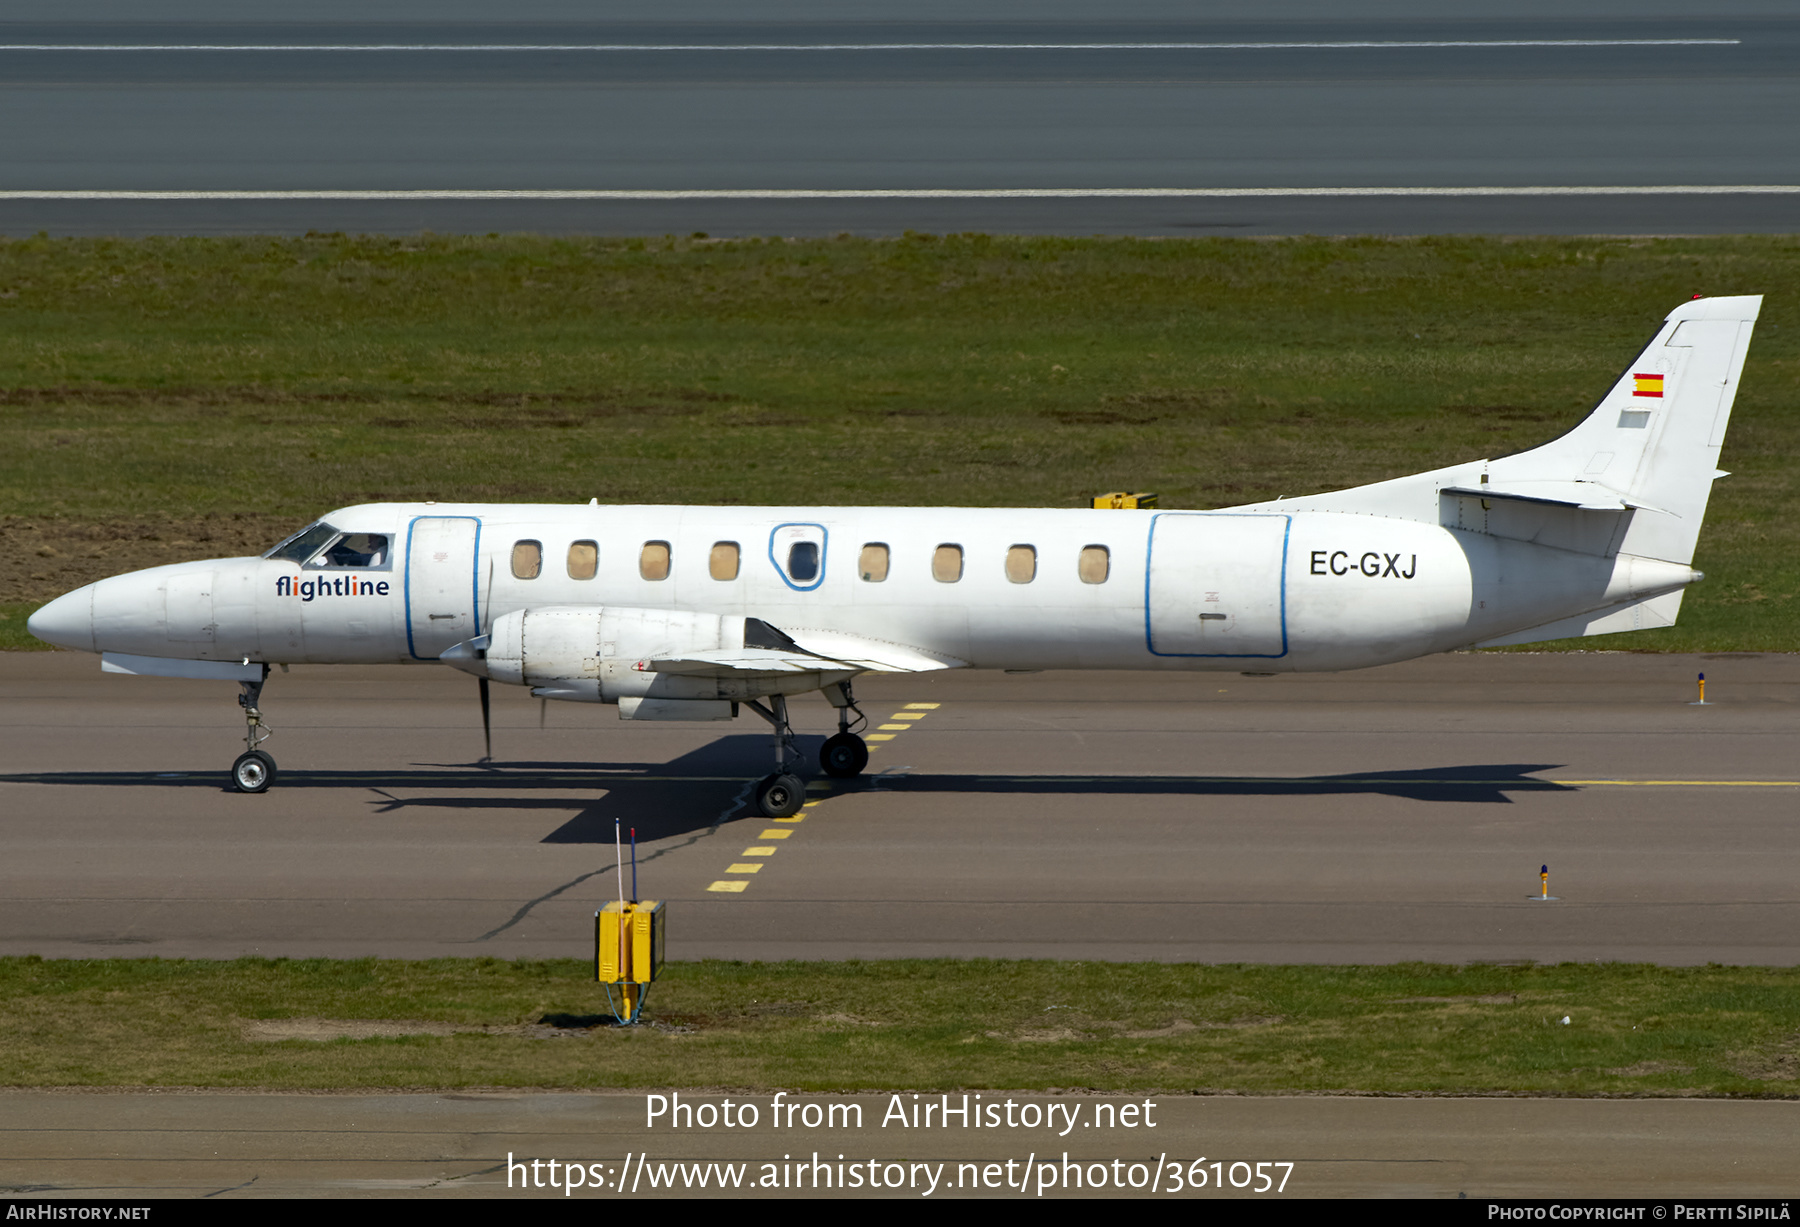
<point x="543" y="706"/>
<point x="487" y="724"/>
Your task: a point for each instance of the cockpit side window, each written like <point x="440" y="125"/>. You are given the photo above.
<point x="304" y="544"/>
<point x="363" y="551"/>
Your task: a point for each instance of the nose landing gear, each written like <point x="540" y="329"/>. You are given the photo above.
<point x="254" y="769"/>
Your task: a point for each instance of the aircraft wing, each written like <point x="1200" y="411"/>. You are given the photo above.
<point x="806" y="651"/>
<point x="872" y="655"/>
<point x="741" y="662"/>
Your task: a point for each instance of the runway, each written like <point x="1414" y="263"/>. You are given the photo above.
<point x="1393" y="814"/>
<point x="194" y="97"/>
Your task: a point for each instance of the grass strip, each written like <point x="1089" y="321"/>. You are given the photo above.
<point x="917" y="1024"/>
<point x="156" y="392"/>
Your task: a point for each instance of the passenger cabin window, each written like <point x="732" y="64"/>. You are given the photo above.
<point x="1095" y="564"/>
<point x="527" y="559"/>
<point x="723" y="563"/>
<point x="946" y="564"/>
<point x="584" y="559"/>
<point x="653" y="563"/>
<point x="803" y="562"/>
<point x="873" y="565"/>
<point x="1021" y="564"/>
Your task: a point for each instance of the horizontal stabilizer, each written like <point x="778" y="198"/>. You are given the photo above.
<point x="1584" y="495"/>
<point x="1647" y="614"/>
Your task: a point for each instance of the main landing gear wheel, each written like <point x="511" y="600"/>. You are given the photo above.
<point x="780" y="796"/>
<point x="253" y="771"/>
<point x="844" y="755"/>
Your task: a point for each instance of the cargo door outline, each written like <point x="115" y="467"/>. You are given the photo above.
<point x="1281" y="586"/>
<point x="474" y="581"/>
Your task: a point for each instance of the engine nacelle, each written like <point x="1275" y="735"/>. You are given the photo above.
<point x="596" y="654"/>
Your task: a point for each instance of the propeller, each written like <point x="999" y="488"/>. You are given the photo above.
<point x="487" y="724"/>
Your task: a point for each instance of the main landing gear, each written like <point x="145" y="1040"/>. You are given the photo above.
<point x="254" y="769"/>
<point x="781" y="794"/>
<point x="846" y="754"/>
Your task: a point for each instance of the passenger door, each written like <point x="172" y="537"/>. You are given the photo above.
<point x="442" y="599"/>
<point x="1217" y="585"/>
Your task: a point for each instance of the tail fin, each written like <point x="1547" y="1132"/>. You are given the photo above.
<point x="1653" y="441"/>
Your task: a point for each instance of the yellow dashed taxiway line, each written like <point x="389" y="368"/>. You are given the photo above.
<point x="901" y="722"/>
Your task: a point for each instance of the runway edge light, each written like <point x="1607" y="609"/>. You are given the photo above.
<point x="1544" y="880"/>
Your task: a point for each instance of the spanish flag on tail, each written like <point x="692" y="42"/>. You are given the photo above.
<point x="1648" y="385"/>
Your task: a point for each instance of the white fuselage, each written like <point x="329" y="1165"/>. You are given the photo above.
<point x="1256" y="591"/>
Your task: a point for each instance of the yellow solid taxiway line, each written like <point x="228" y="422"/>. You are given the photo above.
<point x="736" y="885"/>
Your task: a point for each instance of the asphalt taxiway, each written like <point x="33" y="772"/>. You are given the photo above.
<point x="1392" y="814"/>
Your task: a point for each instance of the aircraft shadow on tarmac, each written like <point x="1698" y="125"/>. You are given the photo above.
<point x="710" y="785"/>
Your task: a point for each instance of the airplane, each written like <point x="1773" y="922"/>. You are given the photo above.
<point x="695" y="613"/>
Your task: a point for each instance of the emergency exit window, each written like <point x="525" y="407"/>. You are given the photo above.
<point x="803" y="562"/>
<point x="527" y="559"/>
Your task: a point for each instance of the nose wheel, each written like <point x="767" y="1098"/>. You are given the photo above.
<point x="254" y="769"/>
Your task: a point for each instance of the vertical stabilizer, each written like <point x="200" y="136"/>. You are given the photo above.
<point x="1654" y="439"/>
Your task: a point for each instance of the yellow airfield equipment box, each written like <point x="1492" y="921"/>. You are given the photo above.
<point x="1124" y="502"/>
<point x="628" y="942"/>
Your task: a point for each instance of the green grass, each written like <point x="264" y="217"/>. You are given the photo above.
<point x="13" y="637"/>
<point x="1411" y="1028"/>
<point x="174" y="378"/>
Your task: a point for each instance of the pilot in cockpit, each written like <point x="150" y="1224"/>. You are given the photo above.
<point x="358" y="550"/>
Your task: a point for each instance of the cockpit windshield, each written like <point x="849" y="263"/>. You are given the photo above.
<point x="320" y="546"/>
<point x="305" y="543"/>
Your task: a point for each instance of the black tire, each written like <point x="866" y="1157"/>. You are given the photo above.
<point x="844" y="755"/>
<point x="253" y="771"/>
<point x="780" y="796"/>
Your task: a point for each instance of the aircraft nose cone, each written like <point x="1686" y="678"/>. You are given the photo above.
<point x="68" y="621"/>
